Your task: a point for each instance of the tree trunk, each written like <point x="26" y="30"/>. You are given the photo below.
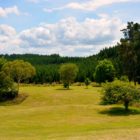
<point x="126" y="104"/>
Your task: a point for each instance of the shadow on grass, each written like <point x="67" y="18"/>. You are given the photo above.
<point x="119" y="111"/>
<point x="18" y="100"/>
<point x="65" y="89"/>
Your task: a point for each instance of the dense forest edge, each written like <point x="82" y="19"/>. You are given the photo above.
<point x="47" y="66"/>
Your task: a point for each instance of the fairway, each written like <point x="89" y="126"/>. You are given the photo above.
<point x="52" y="113"/>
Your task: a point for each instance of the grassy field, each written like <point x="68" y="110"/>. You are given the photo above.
<point x="51" y="113"/>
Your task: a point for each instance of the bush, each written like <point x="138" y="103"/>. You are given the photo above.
<point x="66" y="85"/>
<point x="124" y="78"/>
<point x="120" y="92"/>
<point x="8" y="95"/>
<point x="7" y="87"/>
<point x="87" y="82"/>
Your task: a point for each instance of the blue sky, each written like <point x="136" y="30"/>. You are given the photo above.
<point x="67" y="27"/>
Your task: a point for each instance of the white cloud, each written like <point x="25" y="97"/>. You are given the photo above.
<point x="89" y="5"/>
<point x="9" y="40"/>
<point x="4" y="12"/>
<point x="66" y="37"/>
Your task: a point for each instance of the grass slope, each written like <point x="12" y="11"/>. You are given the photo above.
<point x="51" y="113"/>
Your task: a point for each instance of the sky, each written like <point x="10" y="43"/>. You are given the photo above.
<point x="65" y="27"/>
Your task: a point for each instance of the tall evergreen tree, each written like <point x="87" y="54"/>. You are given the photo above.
<point x="130" y="50"/>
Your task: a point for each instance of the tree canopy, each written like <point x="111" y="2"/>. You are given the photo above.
<point x="104" y="71"/>
<point x="130" y="51"/>
<point x="68" y="74"/>
<point x="19" y="70"/>
<point x="7" y="87"/>
<point x="120" y="92"/>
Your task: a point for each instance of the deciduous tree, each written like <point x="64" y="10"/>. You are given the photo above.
<point x="68" y="73"/>
<point x="120" y="92"/>
<point x="19" y="70"/>
<point x="104" y="71"/>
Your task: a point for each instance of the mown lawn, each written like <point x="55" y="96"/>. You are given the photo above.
<point x="51" y="113"/>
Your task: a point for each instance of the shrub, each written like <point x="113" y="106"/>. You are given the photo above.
<point x="8" y="95"/>
<point x="124" y="78"/>
<point x="66" y="85"/>
<point x="87" y="82"/>
<point x="120" y="92"/>
<point x="7" y="87"/>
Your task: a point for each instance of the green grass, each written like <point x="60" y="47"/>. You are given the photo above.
<point x="51" y="113"/>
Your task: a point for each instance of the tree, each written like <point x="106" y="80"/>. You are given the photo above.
<point x="129" y="59"/>
<point x="87" y="82"/>
<point x="104" y="71"/>
<point x="130" y="51"/>
<point x="19" y="70"/>
<point x="120" y="92"/>
<point x="5" y="81"/>
<point x="68" y="74"/>
<point x="2" y="62"/>
<point x="7" y="87"/>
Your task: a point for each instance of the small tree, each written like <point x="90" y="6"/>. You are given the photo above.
<point x="104" y="71"/>
<point x="120" y="92"/>
<point x="68" y="73"/>
<point x="87" y="82"/>
<point x="19" y="70"/>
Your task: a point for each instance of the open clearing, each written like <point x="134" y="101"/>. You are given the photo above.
<point x="49" y="112"/>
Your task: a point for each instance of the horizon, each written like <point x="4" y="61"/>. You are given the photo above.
<point x="56" y="53"/>
<point x="70" y="28"/>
